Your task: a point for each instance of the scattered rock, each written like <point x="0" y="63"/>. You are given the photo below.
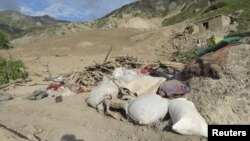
<point x="59" y="99"/>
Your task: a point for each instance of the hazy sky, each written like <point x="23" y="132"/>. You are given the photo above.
<point x="72" y="10"/>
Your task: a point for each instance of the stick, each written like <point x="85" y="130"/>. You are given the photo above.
<point x="72" y="76"/>
<point x="103" y="67"/>
<point x="178" y="66"/>
<point x="34" y="84"/>
<point x="14" y="132"/>
<point x="106" y="69"/>
<point x="4" y="86"/>
<point x="108" y="54"/>
<point x="47" y="69"/>
<point x="76" y="76"/>
<point x="47" y="66"/>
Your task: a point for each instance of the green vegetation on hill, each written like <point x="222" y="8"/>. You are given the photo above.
<point x="185" y="57"/>
<point x="201" y="9"/>
<point x="231" y="7"/>
<point x="15" y="24"/>
<point x="144" y="9"/>
<point x="149" y="8"/>
<point x="188" y="12"/>
<point x="11" y="70"/>
<point x="186" y="9"/>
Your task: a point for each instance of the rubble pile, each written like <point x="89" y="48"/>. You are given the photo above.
<point x="93" y="74"/>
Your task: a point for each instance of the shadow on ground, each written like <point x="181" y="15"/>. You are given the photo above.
<point x="70" y="137"/>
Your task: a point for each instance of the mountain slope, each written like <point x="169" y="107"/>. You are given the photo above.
<point x="15" y="24"/>
<point x="143" y="9"/>
<point x="191" y="10"/>
<point x="150" y="8"/>
<point x="200" y="10"/>
<point x="169" y="12"/>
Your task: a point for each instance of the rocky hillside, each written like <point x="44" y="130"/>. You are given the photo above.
<point x="145" y="10"/>
<point x="168" y="12"/>
<point x="15" y="24"/>
<point x="149" y="8"/>
<point x="200" y="9"/>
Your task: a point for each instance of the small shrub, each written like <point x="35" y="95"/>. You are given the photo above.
<point x="119" y="15"/>
<point x="4" y="42"/>
<point x="185" y="57"/>
<point x="101" y="23"/>
<point x="11" y="70"/>
<point x="215" y="6"/>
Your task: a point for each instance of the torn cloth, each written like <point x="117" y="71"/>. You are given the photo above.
<point x="5" y="97"/>
<point x="38" y="94"/>
<point x="61" y="91"/>
<point x="148" y="69"/>
<point x="144" y="85"/>
<point x="55" y="86"/>
<point x="160" y="72"/>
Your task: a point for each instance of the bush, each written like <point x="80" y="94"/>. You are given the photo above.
<point x="215" y="6"/>
<point x="185" y="57"/>
<point x="11" y="70"/>
<point x="4" y="42"/>
<point x="101" y="23"/>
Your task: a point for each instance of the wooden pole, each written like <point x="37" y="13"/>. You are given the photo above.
<point x="106" y="58"/>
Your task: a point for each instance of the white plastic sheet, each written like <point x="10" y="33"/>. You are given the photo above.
<point x="125" y="75"/>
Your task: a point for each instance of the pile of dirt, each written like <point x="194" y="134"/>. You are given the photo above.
<point x="226" y="101"/>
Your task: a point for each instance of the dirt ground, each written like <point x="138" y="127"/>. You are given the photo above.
<point x="227" y="100"/>
<point x="51" y="121"/>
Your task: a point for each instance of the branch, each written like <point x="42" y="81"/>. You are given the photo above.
<point x="106" y="58"/>
<point x="47" y="67"/>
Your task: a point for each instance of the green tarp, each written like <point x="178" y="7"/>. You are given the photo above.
<point x="224" y="42"/>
